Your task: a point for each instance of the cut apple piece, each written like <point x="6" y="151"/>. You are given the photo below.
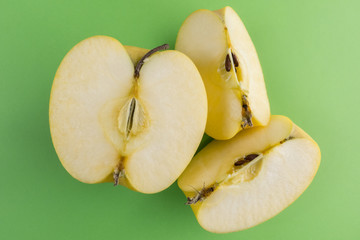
<point x="221" y="48"/>
<point x="127" y="115"/>
<point x="238" y="183"/>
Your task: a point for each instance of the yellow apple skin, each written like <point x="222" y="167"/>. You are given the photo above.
<point x="135" y="53"/>
<point x="244" y="199"/>
<point x="90" y="102"/>
<point x="207" y="37"/>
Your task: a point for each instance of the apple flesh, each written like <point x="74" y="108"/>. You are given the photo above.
<point x="221" y="48"/>
<point x="117" y="115"/>
<point x="238" y="183"/>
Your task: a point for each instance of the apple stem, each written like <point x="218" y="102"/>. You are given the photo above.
<point x="228" y="61"/>
<point x="148" y="54"/>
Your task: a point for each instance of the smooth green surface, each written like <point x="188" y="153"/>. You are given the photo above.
<point x="309" y="51"/>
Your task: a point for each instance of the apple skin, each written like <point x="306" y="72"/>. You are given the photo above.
<point x="135" y="53"/>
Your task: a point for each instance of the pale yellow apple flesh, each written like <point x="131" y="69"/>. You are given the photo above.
<point x="238" y="183"/>
<point x="107" y="123"/>
<point x="221" y="48"/>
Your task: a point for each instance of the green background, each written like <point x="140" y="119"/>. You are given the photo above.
<point x="309" y="51"/>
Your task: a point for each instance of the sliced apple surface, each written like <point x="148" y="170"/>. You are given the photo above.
<point x="116" y="116"/>
<point x="221" y="48"/>
<point x="238" y="183"/>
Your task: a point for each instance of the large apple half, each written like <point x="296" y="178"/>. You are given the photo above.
<point x="126" y="114"/>
<point x="221" y="48"/>
<point x="238" y="183"/>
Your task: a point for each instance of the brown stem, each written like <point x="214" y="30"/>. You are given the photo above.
<point x="148" y="54"/>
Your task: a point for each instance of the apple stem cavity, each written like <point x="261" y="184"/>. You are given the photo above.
<point x="148" y="54"/>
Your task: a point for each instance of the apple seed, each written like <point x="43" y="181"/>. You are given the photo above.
<point x="227" y="63"/>
<point x="235" y="59"/>
<point x="130" y="120"/>
<point x="246" y="159"/>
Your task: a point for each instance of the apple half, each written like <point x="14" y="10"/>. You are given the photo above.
<point x="238" y="183"/>
<point x="221" y="48"/>
<point x="126" y="114"/>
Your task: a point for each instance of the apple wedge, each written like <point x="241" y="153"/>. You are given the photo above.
<point x="221" y="48"/>
<point x="127" y="115"/>
<point x="238" y="183"/>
